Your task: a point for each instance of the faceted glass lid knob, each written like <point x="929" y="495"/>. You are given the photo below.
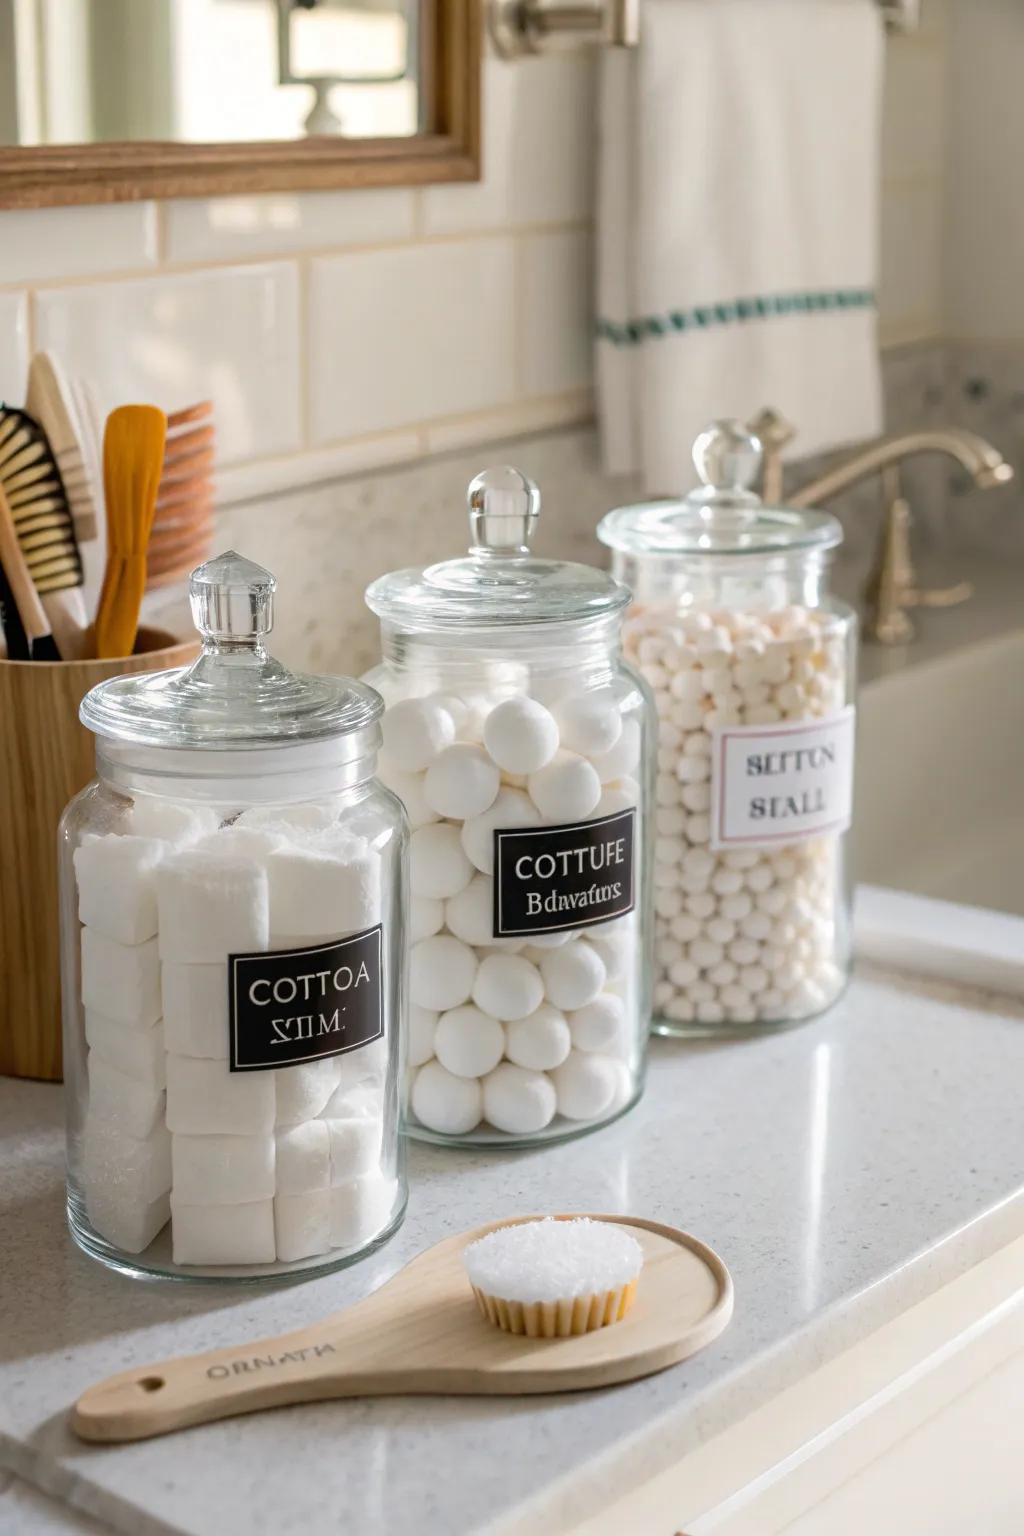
<point x="232" y="599"/>
<point x="504" y="505"/>
<point x="727" y="456"/>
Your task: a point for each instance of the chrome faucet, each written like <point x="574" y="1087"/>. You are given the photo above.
<point x="892" y="587"/>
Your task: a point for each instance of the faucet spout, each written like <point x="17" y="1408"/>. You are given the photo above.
<point x="984" y="463"/>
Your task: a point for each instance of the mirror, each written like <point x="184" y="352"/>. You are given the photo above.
<point x="185" y="97"/>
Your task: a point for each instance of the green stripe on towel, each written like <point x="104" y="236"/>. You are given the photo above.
<point x="630" y="333"/>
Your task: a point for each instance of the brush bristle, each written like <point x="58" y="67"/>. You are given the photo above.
<point x="39" y="505"/>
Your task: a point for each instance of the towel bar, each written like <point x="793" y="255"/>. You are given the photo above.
<point x="522" y="27"/>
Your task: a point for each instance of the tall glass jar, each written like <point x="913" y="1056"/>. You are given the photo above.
<point x="519" y="741"/>
<point x="751" y="661"/>
<point x="232" y="888"/>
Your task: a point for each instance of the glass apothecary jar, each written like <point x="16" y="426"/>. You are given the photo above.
<point x="751" y="661"/>
<point x="232" y="955"/>
<point x="519" y="742"/>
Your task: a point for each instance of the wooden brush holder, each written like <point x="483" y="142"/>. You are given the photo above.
<point x="46" y="756"/>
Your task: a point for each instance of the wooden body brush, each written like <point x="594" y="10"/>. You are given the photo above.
<point x="133" y="457"/>
<point x="49" y="400"/>
<point x="38" y="505"/>
<point x="422" y="1332"/>
<point x="183" y="523"/>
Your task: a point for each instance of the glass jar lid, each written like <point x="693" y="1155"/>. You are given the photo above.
<point x="234" y="696"/>
<point x="500" y="581"/>
<point x="723" y="516"/>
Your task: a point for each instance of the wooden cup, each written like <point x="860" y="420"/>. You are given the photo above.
<point x="46" y="757"/>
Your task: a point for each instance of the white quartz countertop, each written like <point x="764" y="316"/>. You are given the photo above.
<point x="843" y="1171"/>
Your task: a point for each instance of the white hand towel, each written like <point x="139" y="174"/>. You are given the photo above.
<point x="738" y="227"/>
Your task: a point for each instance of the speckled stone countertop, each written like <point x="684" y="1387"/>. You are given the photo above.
<point x="843" y="1171"/>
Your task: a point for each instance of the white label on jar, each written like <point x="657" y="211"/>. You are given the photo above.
<point x="781" y="783"/>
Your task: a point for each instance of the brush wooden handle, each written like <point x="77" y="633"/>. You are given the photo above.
<point x="69" y="621"/>
<point x="23" y="590"/>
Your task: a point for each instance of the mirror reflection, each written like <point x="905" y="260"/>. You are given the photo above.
<point x="209" y="71"/>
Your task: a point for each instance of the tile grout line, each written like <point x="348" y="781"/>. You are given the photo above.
<point x="169" y="269"/>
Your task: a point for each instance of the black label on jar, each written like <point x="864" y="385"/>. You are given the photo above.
<point x="549" y="879"/>
<point x="292" y="1005"/>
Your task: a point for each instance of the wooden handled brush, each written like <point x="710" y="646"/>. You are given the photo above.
<point x="33" y="623"/>
<point x="133" y="457"/>
<point x="38" y="505"/>
<point x="183" y="525"/>
<point x="49" y="399"/>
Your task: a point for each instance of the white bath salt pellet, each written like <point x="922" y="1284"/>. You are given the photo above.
<point x="521" y="735"/>
<point x="623" y="757"/>
<point x="518" y="1101"/>
<point x="683" y="972"/>
<point x="210" y="907"/>
<point x="222" y="1170"/>
<point x="415" y="731"/>
<point x="737" y="907"/>
<point x="726" y="882"/>
<point x="696" y="797"/>
<point x="692" y="770"/>
<point x="663" y="993"/>
<point x="599" y="1026"/>
<point x="710" y="1012"/>
<point x="720" y="930"/>
<point x="679" y="1009"/>
<point x="467" y="1042"/>
<point x="409" y="789"/>
<point x="361" y="1208"/>
<point x="223" y="1234"/>
<point x="703" y="905"/>
<point x="668" y="902"/>
<point x="508" y="986"/>
<point x="701" y="991"/>
<point x="540" y="1041"/>
<point x="756" y="925"/>
<point x="441" y="972"/>
<point x="573" y="976"/>
<point x="567" y="789"/>
<point x="438" y="866"/>
<point x="585" y="1085"/>
<point x="116" y="879"/>
<point x="442" y="1102"/>
<point x="152" y="816"/>
<point x="759" y="879"/>
<point x="705" y="953"/>
<point x="773" y="901"/>
<point x="512" y="808"/>
<point x="426" y="917"/>
<point x="137" y="1050"/>
<point x="693" y="881"/>
<point x="723" y="974"/>
<point x="620" y="796"/>
<point x="698" y="828"/>
<point x="684" y="927"/>
<point x="422" y="1024"/>
<point x="121" y="981"/>
<point x="744" y="951"/>
<point x="461" y="782"/>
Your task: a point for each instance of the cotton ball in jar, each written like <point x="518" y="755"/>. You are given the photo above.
<point x="468" y="1043"/>
<point x="442" y="1102"/>
<point x="415" y="731"/>
<point x="585" y="1085"/>
<point x="508" y="986"/>
<point x="461" y="782"/>
<point x="622" y="758"/>
<point x="540" y="1041"/>
<point x="511" y="809"/>
<point x="589" y="723"/>
<point x="573" y="976"/>
<point x="518" y="1101"/>
<point x="599" y="1026"/>
<point x="441" y="972"/>
<point x="422" y="1023"/>
<point x="426" y="917"/>
<point x="521" y="735"/>
<point x="438" y="866"/>
<point x="567" y="789"/>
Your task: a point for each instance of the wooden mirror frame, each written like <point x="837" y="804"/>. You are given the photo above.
<point x="47" y="176"/>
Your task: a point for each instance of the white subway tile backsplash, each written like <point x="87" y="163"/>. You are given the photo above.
<point x="538" y="138"/>
<point x="230" y="335"/>
<point x="557" y="311"/>
<point x="40" y="244"/>
<point x="13" y="347"/>
<point x="554" y="133"/>
<point x="509" y="421"/>
<point x="399" y="336"/>
<point x="219" y="228"/>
